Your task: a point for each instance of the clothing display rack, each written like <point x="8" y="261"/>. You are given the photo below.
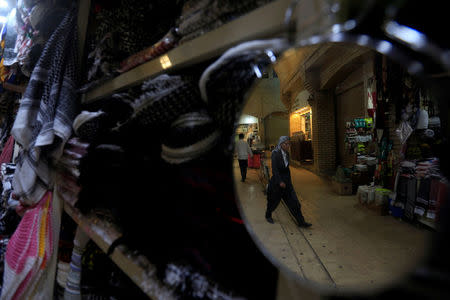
<point x="264" y="22"/>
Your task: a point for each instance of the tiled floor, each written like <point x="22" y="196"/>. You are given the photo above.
<point x="348" y="247"/>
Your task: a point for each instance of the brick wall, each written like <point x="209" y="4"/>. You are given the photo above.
<point x="350" y="104"/>
<point x="324" y="132"/>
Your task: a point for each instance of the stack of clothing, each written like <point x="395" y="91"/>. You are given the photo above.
<point x="68" y="166"/>
<point x="429" y="167"/>
<point x="178" y="135"/>
<point x="168" y="42"/>
<point x="164" y="99"/>
<point x="122" y="28"/>
<point x="438" y="194"/>
<point x="407" y="188"/>
<point x="201" y="16"/>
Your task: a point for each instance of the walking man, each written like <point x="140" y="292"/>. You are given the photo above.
<point x="280" y="185"/>
<point x="243" y="151"/>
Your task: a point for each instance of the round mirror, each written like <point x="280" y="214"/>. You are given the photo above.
<point x="337" y="166"/>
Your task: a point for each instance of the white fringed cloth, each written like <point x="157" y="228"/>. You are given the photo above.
<point x="46" y="112"/>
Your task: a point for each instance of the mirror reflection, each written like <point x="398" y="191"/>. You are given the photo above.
<point x="349" y="142"/>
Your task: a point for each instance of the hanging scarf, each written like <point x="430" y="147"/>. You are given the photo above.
<point x="47" y="110"/>
<point x="30" y="264"/>
<point x="282" y="139"/>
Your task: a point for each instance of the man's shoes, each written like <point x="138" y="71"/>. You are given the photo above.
<point x="270" y="220"/>
<point x="305" y="224"/>
<point x="242" y="180"/>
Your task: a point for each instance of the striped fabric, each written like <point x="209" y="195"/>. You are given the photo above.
<point x="72" y="289"/>
<point x="30" y="263"/>
<point x="46" y="112"/>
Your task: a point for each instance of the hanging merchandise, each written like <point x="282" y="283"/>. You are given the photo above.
<point x="9" y="37"/>
<point x="30" y="263"/>
<point x="422" y="122"/>
<point x="403" y="132"/>
<point x="36" y="22"/>
<point x="371" y="97"/>
<point x="44" y="119"/>
<point x="53" y="127"/>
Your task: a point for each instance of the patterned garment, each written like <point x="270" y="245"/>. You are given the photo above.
<point x="165" y="98"/>
<point x="44" y="121"/>
<point x="69" y="170"/>
<point x="30" y="265"/>
<point x="189" y="137"/>
<point x="129" y="26"/>
<point x="225" y="83"/>
<point x="35" y="23"/>
<point x="201" y="16"/>
<point x="190" y="284"/>
<point x="162" y="46"/>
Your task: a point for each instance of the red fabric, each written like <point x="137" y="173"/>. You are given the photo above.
<point x="254" y="162"/>
<point x="8" y="150"/>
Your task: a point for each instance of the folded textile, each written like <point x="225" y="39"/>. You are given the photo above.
<point x="162" y="46"/>
<point x="189" y="137"/>
<point x="225" y="83"/>
<point x="124" y="28"/>
<point x="47" y="109"/>
<point x="199" y="17"/>
<point x="165" y="98"/>
<point x="87" y="125"/>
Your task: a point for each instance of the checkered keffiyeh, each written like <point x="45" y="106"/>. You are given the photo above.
<point x="47" y="110"/>
<point x="164" y="99"/>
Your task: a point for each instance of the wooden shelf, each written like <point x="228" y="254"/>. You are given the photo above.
<point x="137" y="267"/>
<point x="266" y="21"/>
<point x="427" y="222"/>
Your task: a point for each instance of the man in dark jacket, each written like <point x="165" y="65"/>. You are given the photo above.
<point x="280" y="185"/>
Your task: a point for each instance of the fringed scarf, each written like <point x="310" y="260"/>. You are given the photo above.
<point x="46" y="113"/>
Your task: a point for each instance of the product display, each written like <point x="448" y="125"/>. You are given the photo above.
<point x="115" y="176"/>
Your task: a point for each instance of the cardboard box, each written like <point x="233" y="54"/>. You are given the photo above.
<point x="381" y="210"/>
<point x="342" y="188"/>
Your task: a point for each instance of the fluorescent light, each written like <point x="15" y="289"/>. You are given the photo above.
<point x="165" y="62"/>
<point x="3" y="19"/>
<point x="3" y="3"/>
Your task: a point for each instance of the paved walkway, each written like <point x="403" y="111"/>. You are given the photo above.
<point x="348" y="246"/>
